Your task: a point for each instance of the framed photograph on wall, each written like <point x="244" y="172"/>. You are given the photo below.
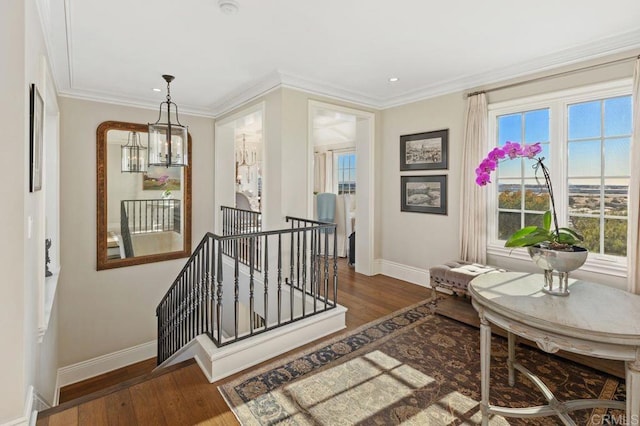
<point x="424" y="194"/>
<point x="36" y="128"/>
<point x="424" y="151"/>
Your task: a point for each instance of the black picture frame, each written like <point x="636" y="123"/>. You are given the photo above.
<point x="425" y="151"/>
<point x="424" y="194"/>
<point x="36" y="129"/>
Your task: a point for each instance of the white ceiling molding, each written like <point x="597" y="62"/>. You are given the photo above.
<point x="605" y="47"/>
<point x="80" y="72"/>
<point x="115" y="99"/>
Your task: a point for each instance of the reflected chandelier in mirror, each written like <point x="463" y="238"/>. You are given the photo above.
<point x="141" y="217"/>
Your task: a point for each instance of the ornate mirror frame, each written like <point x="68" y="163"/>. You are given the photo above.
<point x="102" y="194"/>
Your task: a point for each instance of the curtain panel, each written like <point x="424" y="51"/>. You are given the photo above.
<point x="633" y="239"/>
<point x="473" y="202"/>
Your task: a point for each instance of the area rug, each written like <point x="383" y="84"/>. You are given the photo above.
<point x="411" y="367"/>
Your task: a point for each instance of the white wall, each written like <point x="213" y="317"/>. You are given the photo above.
<point x="107" y="311"/>
<point x="26" y="366"/>
<point x="13" y="86"/>
<point x="419" y="240"/>
<point x="412" y="242"/>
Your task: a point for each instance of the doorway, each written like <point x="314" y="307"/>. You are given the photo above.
<point x="239" y="165"/>
<point x="341" y="147"/>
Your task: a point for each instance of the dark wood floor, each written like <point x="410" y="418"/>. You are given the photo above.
<point x="181" y="395"/>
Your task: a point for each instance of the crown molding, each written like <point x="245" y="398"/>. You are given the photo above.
<point x="87" y="95"/>
<point x="581" y="53"/>
<point x="279" y="79"/>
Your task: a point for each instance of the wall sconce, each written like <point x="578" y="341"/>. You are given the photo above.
<point x="132" y="155"/>
<point x="168" y="142"/>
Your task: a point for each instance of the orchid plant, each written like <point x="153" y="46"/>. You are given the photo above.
<point x="557" y="238"/>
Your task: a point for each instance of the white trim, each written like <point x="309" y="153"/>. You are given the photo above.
<point x="94" y="96"/>
<point x="218" y="363"/>
<point x="407" y="273"/>
<point x="29" y="416"/>
<point x="557" y="103"/>
<point x="367" y="266"/>
<point x="103" y="364"/>
<point x="601" y="48"/>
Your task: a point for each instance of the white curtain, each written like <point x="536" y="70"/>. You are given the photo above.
<point x="323" y="172"/>
<point x="473" y="202"/>
<point x="633" y="237"/>
<point x="318" y="172"/>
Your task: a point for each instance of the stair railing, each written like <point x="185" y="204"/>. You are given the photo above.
<point x="229" y="300"/>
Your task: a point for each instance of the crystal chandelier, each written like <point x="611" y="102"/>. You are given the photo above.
<point x="168" y="142"/>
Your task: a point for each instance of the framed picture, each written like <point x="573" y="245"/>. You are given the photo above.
<point x="162" y="179"/>
<point x="424" y="194"/>
<point x="36" y="128"/>
<point x="424" y="151"/>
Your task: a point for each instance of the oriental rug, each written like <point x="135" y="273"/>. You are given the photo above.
<point x="411" y="367"/>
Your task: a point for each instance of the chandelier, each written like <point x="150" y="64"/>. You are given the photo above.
<point x="245" y="158"/>
<point x="132" y="155"/>
<point x="168" y="142"/>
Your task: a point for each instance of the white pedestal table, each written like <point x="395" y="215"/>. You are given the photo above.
<point x="594" y="320"/>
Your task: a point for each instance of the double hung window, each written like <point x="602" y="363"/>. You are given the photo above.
<point x="585" y="136"/>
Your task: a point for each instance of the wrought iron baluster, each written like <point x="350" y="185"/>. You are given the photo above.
<point x="236" y="290"/>
<point x="251" y="285"/>
<point x="219" y="295"/>
<point x="279" y="278"/>
<point x="266" y="282"/>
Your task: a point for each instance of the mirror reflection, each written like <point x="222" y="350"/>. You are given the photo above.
<point x="143" y="210"/>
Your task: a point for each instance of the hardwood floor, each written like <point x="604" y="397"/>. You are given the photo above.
<point x="182" y="395"/>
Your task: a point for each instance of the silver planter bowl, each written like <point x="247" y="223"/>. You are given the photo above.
<point x="561" y="262"/>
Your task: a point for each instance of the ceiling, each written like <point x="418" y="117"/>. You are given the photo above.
<point x="117" y="50"/>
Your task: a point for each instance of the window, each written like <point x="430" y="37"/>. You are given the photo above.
<point x="586" y="137"/>
<point x="346" y="171"/>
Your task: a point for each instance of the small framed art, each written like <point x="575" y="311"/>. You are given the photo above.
<point x="424" y="151"/>
<point x="36" y="128"/>
<point x="424" y="194"/>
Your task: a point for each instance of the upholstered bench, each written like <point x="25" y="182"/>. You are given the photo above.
<point x="455" y="276"/>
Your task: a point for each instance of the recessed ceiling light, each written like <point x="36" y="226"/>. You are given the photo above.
<point x="155" y="89"/>
<point x="228" y="7"/>
<point x="393" y="79"/>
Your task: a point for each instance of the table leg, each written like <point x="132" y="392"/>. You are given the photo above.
<point x="511" y="339"/>
<point x="633" y="391"/>
<point x="485" y="363"/>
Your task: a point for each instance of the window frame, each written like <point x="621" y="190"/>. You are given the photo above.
<point x="557" y="103"/>
<point x="336" y="172"/>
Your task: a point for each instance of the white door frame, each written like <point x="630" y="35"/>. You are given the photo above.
<point x="365" y="183"/>
<point x="224" y="188"/>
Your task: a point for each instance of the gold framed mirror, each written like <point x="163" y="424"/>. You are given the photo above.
<point x="142" y="217"/>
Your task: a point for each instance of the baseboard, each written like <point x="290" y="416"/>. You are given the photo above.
<point x="103" y="364"/>
<point x="407" y="273"/>
<point x="29" y="416"/>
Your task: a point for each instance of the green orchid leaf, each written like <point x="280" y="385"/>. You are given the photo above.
<point x="528" y="240"/>
<point x="524" y="231"/>
<point x="546" y="220"/>
<point x="573" y="233"/>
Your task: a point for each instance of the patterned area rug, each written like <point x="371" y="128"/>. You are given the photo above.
<point x="412" y="367"/>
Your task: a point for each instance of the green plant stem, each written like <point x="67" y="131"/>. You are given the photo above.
<point x="547" y="181"/>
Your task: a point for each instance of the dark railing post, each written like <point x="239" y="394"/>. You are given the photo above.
<point x="266" y="281"/>
<point x="279" y="279"/>
<point x="251" y="284"/>
<point x="219" y="295"/>
<point x="236" y="289"/>
<point x="304" y="273"/>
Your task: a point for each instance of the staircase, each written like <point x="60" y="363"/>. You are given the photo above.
<point x="249" y="295"/>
